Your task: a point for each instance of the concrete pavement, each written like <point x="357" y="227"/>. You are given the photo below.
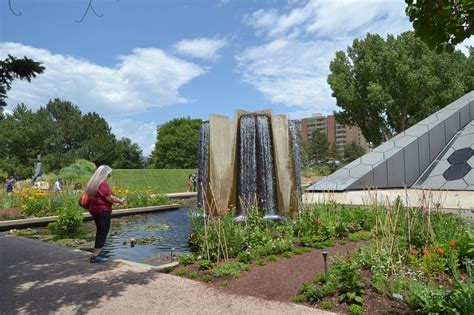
<point x="43" y="278"/>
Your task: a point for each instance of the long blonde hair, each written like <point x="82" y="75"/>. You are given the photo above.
<point x="100" y="174"/>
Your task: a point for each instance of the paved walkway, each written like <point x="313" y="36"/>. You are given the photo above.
<point x="40" y="278"/>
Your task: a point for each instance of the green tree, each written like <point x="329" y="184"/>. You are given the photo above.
<point x="333" y="152"/>
<point x="352" y="151"/>
<point x="318" y="147"/>
<point x="176" y="144"/>
<point x="386" y="86"/>
<point x="62" y="139"/>
<point x="97" y="140"/>
<point x="127" y="154"/>
<point x="21" y="140"/>
<point x="13" y="68"/>
<point x="442" y="24"/>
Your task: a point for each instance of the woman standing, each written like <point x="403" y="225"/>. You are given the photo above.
<point x="100" y="207"/>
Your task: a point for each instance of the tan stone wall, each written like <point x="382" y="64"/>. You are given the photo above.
<point x="282" y="161"/>
<point x="222" y="146"/>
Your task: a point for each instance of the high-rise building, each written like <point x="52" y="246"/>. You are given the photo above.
<point x="335" y="132"/>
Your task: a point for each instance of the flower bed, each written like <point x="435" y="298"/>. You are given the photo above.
<point x="417" y="257"/>
<point x="33" y="202"/>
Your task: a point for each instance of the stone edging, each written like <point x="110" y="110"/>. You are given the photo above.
<point x="43" y="221"/>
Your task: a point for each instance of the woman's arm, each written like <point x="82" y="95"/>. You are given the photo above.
<point x="114" y="200"/>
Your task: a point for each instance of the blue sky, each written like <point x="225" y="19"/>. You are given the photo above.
<point x="145" y="62"/>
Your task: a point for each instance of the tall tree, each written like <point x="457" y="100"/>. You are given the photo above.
<point x="97" y="140"/>
<point x="386" y="86"/>
<point x="13" y="68"/>
<point x="176" y="144"/>
<point x="318" y="147"/>
<point x="442" y="24"/>
<point x="352" y="151"/>
<point x="127" y="154"/>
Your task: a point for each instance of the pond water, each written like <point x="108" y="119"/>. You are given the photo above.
<point x="170" y="229"/>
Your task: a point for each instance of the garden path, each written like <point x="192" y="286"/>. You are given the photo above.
<point x="42" y="278"/>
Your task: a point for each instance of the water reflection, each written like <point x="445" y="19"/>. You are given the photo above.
<point x="126" y="228"/>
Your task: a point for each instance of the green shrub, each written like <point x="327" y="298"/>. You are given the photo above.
<point x="68" y="225"/>
<point x="378" y="283"/>
<point x="299" y="298"/>
<point x="244" y="257"/>
<point x="181" y="271"/>
<point x="297" y="251"/>
<point x="311" y="292"/>
<point x="329" y="243"/>
<point x="229" y="268"/>
<point x="355" y="309"/>
<point x="307" y="249"/>
<point x="327" y="305"/>
<point x="205" y="265"/>
<point x="287" y="254"/>
<point x="207" y="278"/>
<point x="236" y="274"/>
<point x="350" y="286"/>
<point x="320" y="277"/>
<point x="272" y="258"/>
<point x="261" y="262"/>
<point x="318" y="245"/>
<point x="192" y="275"/>
<point x="224" y="283"/>
<point x="78" y="173"/>
<point x="186" y="260"/>
<point x="342" y="242"/>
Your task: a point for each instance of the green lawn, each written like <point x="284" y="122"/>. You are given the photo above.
<point x="158" y="180"/>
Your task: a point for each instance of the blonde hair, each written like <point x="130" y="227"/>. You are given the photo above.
<point x="100" y="174"/>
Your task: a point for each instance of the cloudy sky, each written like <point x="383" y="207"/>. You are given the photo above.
<point x="145" y="62"/>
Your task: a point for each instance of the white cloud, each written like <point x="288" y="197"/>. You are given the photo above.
<point x="147" y="77"/>
<point x="202" y="48"/>
<point x="291" y="65"/>
<point x="142" y="133"/>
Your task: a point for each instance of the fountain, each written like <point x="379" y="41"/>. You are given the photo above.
<point x="251" y="161"/>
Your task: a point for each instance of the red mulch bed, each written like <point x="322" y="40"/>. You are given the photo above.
<point x="281" y="280"/>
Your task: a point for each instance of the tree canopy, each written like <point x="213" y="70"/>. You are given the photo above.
<point x="60" y="134"/>
<point x="352" y="151"/>
<point x="442" y="24"/>
<point x="13" y="68"/>
<point x="318" y="147"/>
<point x="386" y="86"/>
<point x="176" y="144"/>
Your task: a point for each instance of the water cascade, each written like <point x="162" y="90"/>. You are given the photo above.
<point x="203" y="163"/>
<point x="255" y="164"/>
<point x="253" y="160"/>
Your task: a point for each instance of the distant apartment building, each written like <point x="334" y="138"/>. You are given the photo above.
<point x="335" y="132"/>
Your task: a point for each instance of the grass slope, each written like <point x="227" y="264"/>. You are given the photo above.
<point x="158" y="180"/>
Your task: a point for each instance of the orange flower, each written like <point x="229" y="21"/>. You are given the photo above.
<point x="452" y="244"/>
<point x="412" y="251"/>
<point x="440" y="251"/>
<point x="425" y="253"/>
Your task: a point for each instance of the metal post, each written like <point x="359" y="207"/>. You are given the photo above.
<point x="325" y="257"/>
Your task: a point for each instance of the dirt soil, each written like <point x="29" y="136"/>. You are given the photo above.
<point x="281" y="280"/>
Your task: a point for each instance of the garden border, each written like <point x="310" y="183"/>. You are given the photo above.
<point x="43" y="221"/>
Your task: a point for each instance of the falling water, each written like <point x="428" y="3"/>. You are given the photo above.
<point x="256" y="167"/>
<point x="296" y="157"/>
<point x="203" y="163"/>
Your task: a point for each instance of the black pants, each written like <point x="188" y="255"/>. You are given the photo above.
<point x="102" y="222"/>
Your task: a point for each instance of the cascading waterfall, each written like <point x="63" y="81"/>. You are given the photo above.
<point x="256" y="165"/>
<point x="296" y="157"/>
<point x="203" y="163"/>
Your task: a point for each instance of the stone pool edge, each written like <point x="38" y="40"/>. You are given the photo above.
<point x="43" y="221"/>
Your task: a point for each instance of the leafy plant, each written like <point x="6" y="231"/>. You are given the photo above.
<point x="350" y="286"/>
<point x="186" y="260"/>
<point x="327" y="305"/>
<point x="261" y="262"/>
<point x="272" y="258"/>
<point x="205" y="265"/>
<point x="287" y="254"/>
<point x="181" y="271"/>
<point x="378" y="283"/>
<point x="307" y="249"/>
<point x="207" y="278"/>
<point x="329" y="243"/>
<point x="355" y="309"/>
<point x="68" y="225"/>
<point x="244" y="257"/>
<point x="297" y="251"/>
<point x="320" y="277"/>
<point x="192" y="275"/>
<point x="224" y="283"/>
<point x="299" y="298"/>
